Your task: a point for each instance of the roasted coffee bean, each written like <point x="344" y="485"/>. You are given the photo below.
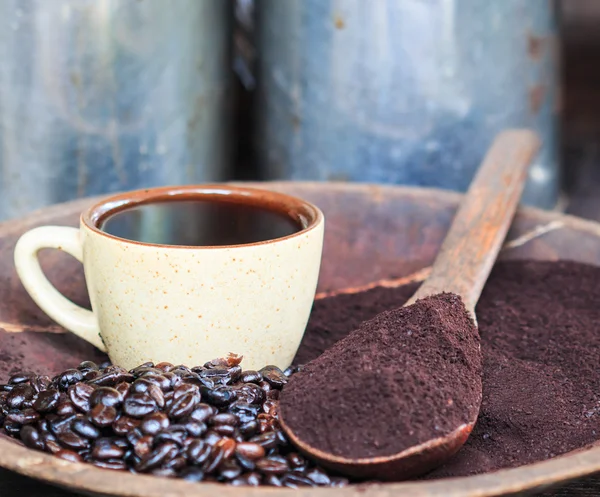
<point x="244" y="412"/>
<point x="195" y="429"/>
<point x="150" y="388"/>
<point x="198" y="452"/>
<point x="123" y="389"/>
<point x="251" y="376"/>
<point x="273" y="481"/>
<point x="84" y="428"/>
<point x="65" y="408"/>
<point x="192" y="474"/>
<point x="173" y="379"/>
<point x="158" y="379"/>
<point x="143" y="446"/>
<point x="216" y="457"/>
<point x="86" y="366"/>
<point x="40" y="383"/>
<point x="202" y="412"/>
<point x="295" y="460"/>
<point x="270" y="407"/>
<point x="19" y="395"/>
<point x="71" y="440"/>
<point x="111" y="378"/>
<point x="102" y="415"/>
<point x="249" y="450"/>
<point x="124" y="424"/>
<point x="140" y="385"/>
<point x="68" y="455"/>
<point x="52" y="444"/>
<point x="19" y="378"/>
<point x="157" y="395"/>
<point x="173" y="434"/>
<point x="265" y="423"/>
<point x="90" y="375"/>
<point x="116" y="464"/>
<point x="292" y="480"/>
<point x="219" y="397"/>
<point x="6" y="388"/>
<point x="338" y="481"/>
<point x="67" y="378"/>
<point x="25" y="417"/>
<point x="183" y="406"/>
<point x="180" y="370"/>
<point x="162" y="453"/>
<point x="251" y="393"/>
<point x="218" y="376"/>
<point x="265" y="440"/>
<point x="245" y="463"/>
<point x="141" y="368"/>
<point x="107" y="396"/>
<point x="46" y="401"/>
<point x="291" y="370"/>
<point x="154" y="422"/>
<point x="80" y="394"/>
<point x="229" y="470"/>
<point x="274" y="376"/>
<point x="251" y="480"/>
<point x="319" y="477"/>
<point x="224" y="418"/>
<point x="271" y="466"/>
<point x="224" y="430"/>
<point x="138" y="405"/>
<point x="58" y="424"/>
<point x="105" y="448"/>
<point x="227" y="445"/>
<point x="164" y="366"/>
<point x="175" y="464"/>
<point x="32" y="438"/>
<point x="265" y="386"/>
<point x="249" y="429"/>
<point x="183" y="389"/>
<point x="133" y="436"/>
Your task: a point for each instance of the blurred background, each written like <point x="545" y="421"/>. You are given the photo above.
<point x="98" y="96"/>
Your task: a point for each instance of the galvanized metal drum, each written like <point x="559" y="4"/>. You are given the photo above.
<point x="105" y="95"/>
<point x="404" y="91"/>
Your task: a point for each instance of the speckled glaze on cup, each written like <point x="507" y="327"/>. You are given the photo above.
<point x="181" y="304"/>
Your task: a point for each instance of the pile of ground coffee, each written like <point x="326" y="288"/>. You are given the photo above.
<point x="540" y="336"/>
<point x="406" y="376"/>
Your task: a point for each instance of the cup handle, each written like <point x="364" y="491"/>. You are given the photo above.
<point x="74" y="318"/>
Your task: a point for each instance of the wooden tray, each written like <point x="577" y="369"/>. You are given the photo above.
<point x="372" y="233"/>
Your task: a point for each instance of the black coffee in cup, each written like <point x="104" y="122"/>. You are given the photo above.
<point x="199" y="223"/>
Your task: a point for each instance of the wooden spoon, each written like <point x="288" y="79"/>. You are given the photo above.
<point x="462" y="267"/>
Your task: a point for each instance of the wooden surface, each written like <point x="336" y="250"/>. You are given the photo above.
<point x="361" y="245"/>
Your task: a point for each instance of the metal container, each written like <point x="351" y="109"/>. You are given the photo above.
<point x="104" y="95"/>
<point x="404" y="91"/>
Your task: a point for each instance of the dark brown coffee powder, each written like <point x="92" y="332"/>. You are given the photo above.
<point x="540" y="335"/>
<point x="406" y="376"/>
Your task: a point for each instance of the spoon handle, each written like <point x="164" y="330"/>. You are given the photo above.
<point x="471" y="246"/>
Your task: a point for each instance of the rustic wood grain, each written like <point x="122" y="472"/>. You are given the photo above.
<point x="361" y="246"/>
<point x="481" y="223"/>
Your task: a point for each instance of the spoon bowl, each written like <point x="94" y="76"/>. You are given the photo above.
<point x="409" y="463"/>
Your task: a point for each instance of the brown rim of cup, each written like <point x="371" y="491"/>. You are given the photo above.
<point x="307" y="215"/>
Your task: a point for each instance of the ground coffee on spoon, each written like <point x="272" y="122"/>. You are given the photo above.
<point x="419" y="396"/>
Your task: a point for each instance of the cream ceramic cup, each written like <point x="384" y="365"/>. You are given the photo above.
<point x="184" y="304"/>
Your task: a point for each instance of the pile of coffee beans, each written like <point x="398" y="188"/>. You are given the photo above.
<point x="210" y="423"/>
